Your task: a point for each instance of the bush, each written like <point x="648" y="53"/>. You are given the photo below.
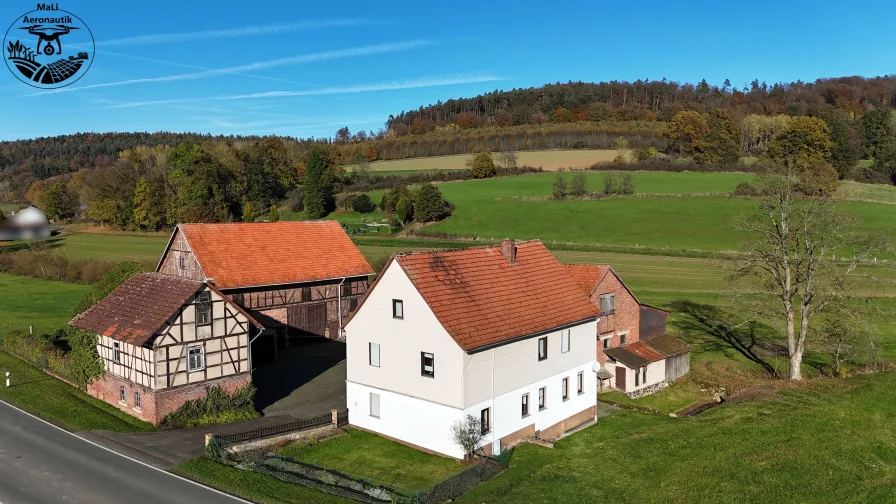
<point x="559" y="191"/>
<point x="746" y="189"/>
<point x="379" y="181"/>
<point x="628" y="185"/>
<point x="611" y="184"/>
<point x="109" y="282"/>
<point x="579" y="185"/>
<point x="52" y="266"/>
<point x="215" y="407"/>
<point x="404" y="210"/>
<point x="644" y="154"/>
<point x="363" y="204"/>
<point x="482" y="166"/>
<point x="430" y="205"/>
<point x="42" y="351"/>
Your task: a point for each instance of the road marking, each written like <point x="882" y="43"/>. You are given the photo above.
<point x="238" y="499"/>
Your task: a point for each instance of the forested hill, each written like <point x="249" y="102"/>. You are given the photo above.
<point x="646" y="100"/>
<point x="50" y="156"/>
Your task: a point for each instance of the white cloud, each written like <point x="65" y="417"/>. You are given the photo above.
<point x="172" y="38"/>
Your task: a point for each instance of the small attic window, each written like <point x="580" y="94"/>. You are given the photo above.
<point x="182" y="262"/>
<point x="204" y="309"/>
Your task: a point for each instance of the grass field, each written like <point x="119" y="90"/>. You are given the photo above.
<point x="825" y="442"/>
<point x="880" y="193"/>
<point x="45" y="304"/>
<point x="60" y="403"/>
<point x="550" y="160"/>
<point x="375" y="459"/>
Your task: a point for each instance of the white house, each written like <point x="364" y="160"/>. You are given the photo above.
<point x="501" y="333"/>
<point x="30" y="223"/>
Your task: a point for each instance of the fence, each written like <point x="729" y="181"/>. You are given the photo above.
<point x="354" y="487"/>
<point x="273" y="430"/>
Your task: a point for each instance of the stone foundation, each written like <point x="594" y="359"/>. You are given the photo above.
<point x="570" y="423"/>
<point x="156" y="404"/>
<point x="650" y="389"/>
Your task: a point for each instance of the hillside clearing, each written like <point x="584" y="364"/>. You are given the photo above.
<point x="549" y="160"/>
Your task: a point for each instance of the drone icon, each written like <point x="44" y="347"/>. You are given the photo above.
<point x="49" y="34"/>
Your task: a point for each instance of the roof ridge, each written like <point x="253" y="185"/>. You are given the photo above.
<point x="463" y="249"/>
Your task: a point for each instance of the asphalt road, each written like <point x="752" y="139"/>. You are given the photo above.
<point x="41" y="464"/>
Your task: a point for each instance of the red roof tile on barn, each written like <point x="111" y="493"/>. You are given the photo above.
<point x="273" y="253"/>
<point x="587" y="276"/>
<point x="141" y="305"/>
<point x="481" y="299"/>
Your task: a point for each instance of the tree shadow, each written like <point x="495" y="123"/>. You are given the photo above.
<point x="722" y="330"/>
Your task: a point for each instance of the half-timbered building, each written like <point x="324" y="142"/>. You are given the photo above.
<point x="164" y="340"/>
<point x="298" y="278"/>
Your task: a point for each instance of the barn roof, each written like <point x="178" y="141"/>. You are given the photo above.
<point x="141" y="305"/>
<point x="273" y="253"/>
<point x="482" y="298"/>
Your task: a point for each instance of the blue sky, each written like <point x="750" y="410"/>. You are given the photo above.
<point x="308" y="68"/>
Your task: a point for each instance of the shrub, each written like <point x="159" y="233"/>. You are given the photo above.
<point x="644" y="154"/>
<point x="404" y="210"/>
<point x="482" y="166"/>
<point x="215" y="407"/>
<point x="363" y="204"/>
<point x="53" y="266"/>
<point x="746" y="189"/>
<point x="109" y="282"/>
<point x="611" y="184"/>
<point x="559" y="187"/>
<point x="86" y="364"/>
<point x="430" y="205"/>
<point x="628" y="185"/>
<point x="579" y="185"/>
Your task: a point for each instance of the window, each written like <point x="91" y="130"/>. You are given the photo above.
<point x="542" y="348"/>
<point x="644" y="376"/>
<point x="138" y="402"/>
<point x="196" y="359"/>
<point x="581" y="381"/>
<point x="525" y="404"/>
<point x="485" y="424"/>
<point x="116" y="351"/>
<point x="122" y="395"/>
<point x="637" y="377"/>
<point x="427" y="365"/>
<point x="608" y="304"/>
<point x="204" y="309"/>
<point x="374" y="405"/>
<point x="182" y="262"/>
<point x="306" y="294"/>
<point x="622" y="339"/>
<point x="374" y="349"/>
<point x="397" y="309"/>
<point x="541" y="398"/>
<point x="565" y="388"/>
<point x="564" y="341"/>
<point x="606" y="343"/>
<point x="347" y="289"/>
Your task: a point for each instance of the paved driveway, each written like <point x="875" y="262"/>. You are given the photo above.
<point x="42" y="464"/>
<point x="307" y="379"/>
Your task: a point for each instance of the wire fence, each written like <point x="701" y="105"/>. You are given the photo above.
<point x="353" y="486"/>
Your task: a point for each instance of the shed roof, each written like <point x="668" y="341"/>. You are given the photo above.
<point x="273" y="253"/>
<point x="668" y="345"/>
<point x="635" y="355"/>
<point x="481" y="299"/>
<point x="141" y="305"/>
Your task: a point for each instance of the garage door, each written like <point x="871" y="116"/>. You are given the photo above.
<point x="309" y="319"/>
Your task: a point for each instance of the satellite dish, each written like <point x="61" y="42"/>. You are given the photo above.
<point x="596" y="367"/>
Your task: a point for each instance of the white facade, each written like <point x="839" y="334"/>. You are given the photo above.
<point x="419" y="409"/>
<point x="655" y="373"/>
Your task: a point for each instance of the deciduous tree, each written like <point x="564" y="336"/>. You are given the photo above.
<point x="482" y="165"/>
<point x="60" y="203"/>
<point x="804" y="142"/>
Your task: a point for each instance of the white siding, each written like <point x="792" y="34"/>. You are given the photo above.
<point x="517" y="365"/>
<point x="656" y="372"/>
<point x="507" y="408"/>
<point x="401" y="343"/>
<point x="412" y="420"/>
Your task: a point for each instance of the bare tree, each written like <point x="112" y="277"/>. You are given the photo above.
<point x="801" y="253"/>
<point x="467" y="434"/>
<point x="507" y="159"/>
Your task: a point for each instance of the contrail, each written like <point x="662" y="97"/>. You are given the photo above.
<point x="172" y="38"/>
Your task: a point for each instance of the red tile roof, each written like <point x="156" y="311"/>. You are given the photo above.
<point x="138" y="308"/>
<point x="481" y="299"/>
<point x="587" y="276"/>
<point x="272" y="253"/>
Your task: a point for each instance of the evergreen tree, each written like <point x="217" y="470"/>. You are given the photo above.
<point x="249" y="213"/>
<point x="273" y="214"/>
<point x="559" y="187"/>
<point x="318" y="184"/>
<point x="429" y="204"/>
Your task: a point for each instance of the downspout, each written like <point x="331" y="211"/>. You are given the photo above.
<point x="493" y="414"/>
<point x="339" y="308"/>
<point x="260" y="331"/>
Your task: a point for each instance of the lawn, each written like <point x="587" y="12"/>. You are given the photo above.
<point x="252" y="486"/>
<point x="549" y="160"/>
<point x="881" y="193"/>
<point x="824" y="442"/>
<point x="114" y="247"/>
<point x="59" y="403"/>
<point x="376" y="459"/>
<point x="45" y="304"/>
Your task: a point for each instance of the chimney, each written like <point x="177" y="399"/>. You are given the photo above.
<point x="508" y="248"/>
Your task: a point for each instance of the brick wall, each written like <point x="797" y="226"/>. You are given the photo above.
<point x="155" y="405"/>
<point x="626" y="318"/>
